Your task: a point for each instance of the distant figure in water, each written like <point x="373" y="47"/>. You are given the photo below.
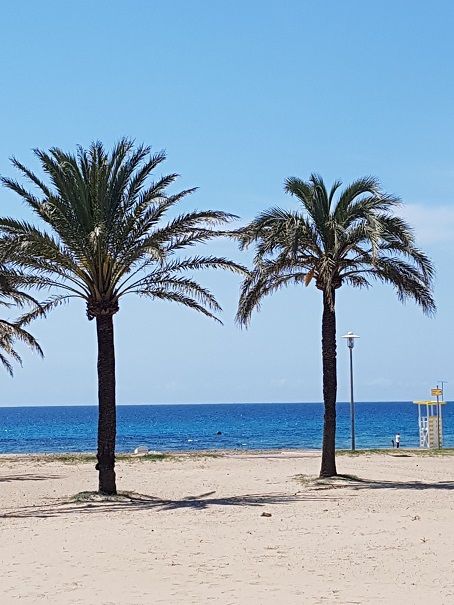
<point x="398" y="440"/>
<point x="392" y="441"/>
<point x="219" y="433"/>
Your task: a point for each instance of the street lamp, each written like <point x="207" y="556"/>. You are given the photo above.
<point x="351" y="343"/>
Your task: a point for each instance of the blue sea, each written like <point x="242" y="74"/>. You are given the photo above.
<point x="195" y="427"/>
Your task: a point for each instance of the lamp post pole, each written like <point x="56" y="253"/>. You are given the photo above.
<point x="351" y="343"/>
<point x="440" y="437"/>
<point x="443" y="382"/>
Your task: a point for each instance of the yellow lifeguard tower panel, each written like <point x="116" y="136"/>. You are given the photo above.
<point x="430" y="421"/>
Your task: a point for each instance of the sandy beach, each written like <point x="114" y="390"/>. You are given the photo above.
<point x="198" y="531"/>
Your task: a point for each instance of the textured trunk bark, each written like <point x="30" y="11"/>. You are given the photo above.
<point x="328" y="468"/>
<point x="107" y="422"/>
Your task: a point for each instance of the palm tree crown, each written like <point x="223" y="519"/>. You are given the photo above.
<point x="106" y="238"/>
<point x="351" y="240"/>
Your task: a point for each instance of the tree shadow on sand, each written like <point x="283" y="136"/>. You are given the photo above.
<point x="27" y="477"/>
<point x="314" y="490"/>
<point x="358" y="483"/>
<point x="92" y="503"/>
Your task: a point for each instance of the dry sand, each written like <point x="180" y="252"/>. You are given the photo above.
<point x="200" y="537"/>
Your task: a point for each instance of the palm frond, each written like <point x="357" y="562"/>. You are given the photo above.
<point x="16" y="333"/>
<point x="187" y="301"/>
<point x="12" y="332"/>
<point x="367" y="185"/>
<point x="6" y="363"/>
<point x="43" y="309"/>
<point x="262" y="282"/>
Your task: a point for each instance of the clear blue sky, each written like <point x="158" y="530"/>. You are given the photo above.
<point x="242" y="95"/>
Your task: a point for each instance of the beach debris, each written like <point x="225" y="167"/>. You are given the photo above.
<point x="141" y="449"/>
<point x="265" y="514"/>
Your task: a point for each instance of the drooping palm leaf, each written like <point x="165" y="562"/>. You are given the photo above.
<point x="12" y="296"/>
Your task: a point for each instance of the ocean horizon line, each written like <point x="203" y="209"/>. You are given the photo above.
<point x="188" y="403"/>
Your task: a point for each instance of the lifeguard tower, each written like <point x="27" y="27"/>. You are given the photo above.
<point x="430" y="421"/>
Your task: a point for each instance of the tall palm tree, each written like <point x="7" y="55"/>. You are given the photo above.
<point x="104" y="238"/>
<point x="351" y="237"/>
<point x="12" y="295"/>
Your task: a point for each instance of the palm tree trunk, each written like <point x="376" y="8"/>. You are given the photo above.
<point x="328" y="468"/>
<point x="107" y="422"/>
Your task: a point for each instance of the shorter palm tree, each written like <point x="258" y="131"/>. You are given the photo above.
<point x="332" y="240"/>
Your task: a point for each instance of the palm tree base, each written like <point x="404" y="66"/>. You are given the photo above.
<point x="107" y="484"/>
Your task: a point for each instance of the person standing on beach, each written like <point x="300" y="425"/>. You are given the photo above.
<point x="398" y="440"/>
